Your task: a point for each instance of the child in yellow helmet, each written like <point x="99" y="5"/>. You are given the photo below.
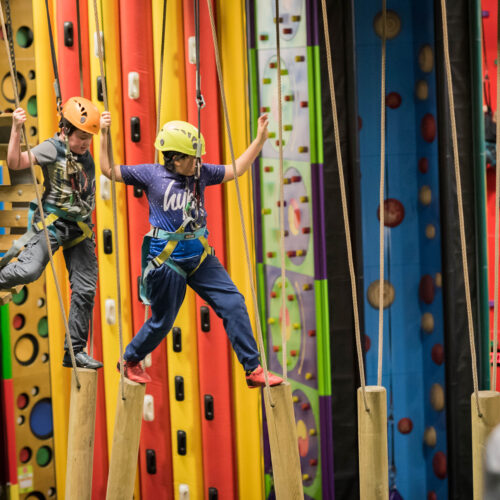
<point x="176" y="252"/>
<point x="68" y="202"/>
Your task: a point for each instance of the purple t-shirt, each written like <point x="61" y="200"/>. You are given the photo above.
<point x="168" y="194"/>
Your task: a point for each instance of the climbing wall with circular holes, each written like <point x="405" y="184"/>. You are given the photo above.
<point x="305" y="288"/>
<point x="413" y="359"/>
<point x="26" y="391"/>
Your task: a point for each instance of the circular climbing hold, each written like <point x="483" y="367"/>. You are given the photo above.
<point x="430" y="231"/>
<point x="372" y="293"/>
<point x="439" y="464"/>
<point x="427" y="322"/>
<point x="367" y="342"/>
<point x="426" y="290"/>
<point x="423" y="165"/>
<point x="394" y="212"/>
<point x="25" y="454"/>
<point x="438" y="279"/>
<point x="437" y="354"/>
<point x="425" y="195"/>
<point x="422" y="90"/>
<point x="26" y="349"/>
<point x="18" y="321"/>
<point x="430" y="437"/>
<point x="426" y="59"/>
<point x="405" y="425"/>
<point x="41" y="419"/>
<point x="393" y="100"/>
<point x="437" y="397"/>
<point x="43" y="456"/>
<point x="392" y="23"/>
<point x="22" y="401"/>
<point x="43" y="327"/>
<point x="428" y="127"/>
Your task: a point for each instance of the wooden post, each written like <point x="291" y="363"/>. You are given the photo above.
<point x="284" y="443"/>
<point x="489" y="405"/>
<point x="81" y="431"/>
<point x="372" y="444"/>
<point x="128" y="420"/>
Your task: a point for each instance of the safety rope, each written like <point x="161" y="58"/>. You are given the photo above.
<point x="460" y="203"/>
<point x="13" y="77"/>
<point x="493" y="379"/>
<point x="57" y="87"/>
<point x="158" y="107"/>
<point x="344" y="205"/>
<point x="381" y="198"/>
<point x="113" y="196"/>
<point x="240" y="204"/>
<point x="79" y="31"/>
<point x="160" y="78"/>
<point x="282" y="199"/>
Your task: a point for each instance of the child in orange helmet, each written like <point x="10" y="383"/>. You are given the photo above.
<point x="68" y="202"/>
<point x="176" y="251"/>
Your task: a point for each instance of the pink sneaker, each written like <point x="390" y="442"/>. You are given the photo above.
<point x="134" y="371"/>
<point x="256" y="378"/>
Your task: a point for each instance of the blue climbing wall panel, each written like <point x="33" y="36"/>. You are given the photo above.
<point x="305" y="288"/>
<point x="413" y="359"/>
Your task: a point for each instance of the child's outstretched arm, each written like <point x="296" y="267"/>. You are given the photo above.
<point x="248" y="157"/>
<point x="15" y="159"/>
<point x="104" y="156"/>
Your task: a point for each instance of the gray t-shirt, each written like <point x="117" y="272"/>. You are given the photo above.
<point x="51" y="156"/>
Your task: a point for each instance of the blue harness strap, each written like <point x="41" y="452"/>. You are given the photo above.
<point x="172" y="239"/>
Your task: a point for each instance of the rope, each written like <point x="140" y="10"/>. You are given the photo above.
<point x="282" y="200"/>
<point x="497" y="208"/>
<point x="160" y="79"/>
<point x="460" y="204"/>
<point x="113" y="191"/>
<point x="13" y="77"/>
<point x="344" y="205"/>
<point x="57" y="86"/>
<point x="381" y="198"/>
<point x="240" y="204"/>
<point x="79" y="31"/>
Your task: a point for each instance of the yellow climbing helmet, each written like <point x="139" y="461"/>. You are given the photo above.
<point x="179" y="136"/>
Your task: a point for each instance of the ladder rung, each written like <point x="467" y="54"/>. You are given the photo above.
<point x="14" y="218"/>
<point x="17" y="193"/>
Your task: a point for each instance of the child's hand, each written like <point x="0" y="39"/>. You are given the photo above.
<point x="262" y="132"/>
<point x="105" y="120"/>
<point x="18" y="118"/>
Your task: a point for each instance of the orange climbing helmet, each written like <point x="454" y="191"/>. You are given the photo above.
<point x="83" y="114"/>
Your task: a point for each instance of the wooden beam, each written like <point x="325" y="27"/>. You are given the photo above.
<point x="284" y="443"/>
<point x="6" y="241"/>
<point x="489" y="405"/>
<point x="81" y="431"/>
<point x="125" y="448"/>
<point x="17" y="193"/>
<point x="14" y="218"/>
<point x="372" y="444"/>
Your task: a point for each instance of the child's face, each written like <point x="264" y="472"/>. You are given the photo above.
<point x="185" y="166"/>
<point x="79" y="142"/>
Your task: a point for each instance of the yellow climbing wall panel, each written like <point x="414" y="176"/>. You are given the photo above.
<point x="109" y="24"/>
<point x="187" y="462"/>
<point x="232" y="44"/>
<point x="47" y="126"/>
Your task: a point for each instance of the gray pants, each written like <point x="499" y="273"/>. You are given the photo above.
<point x="81" y="263"/>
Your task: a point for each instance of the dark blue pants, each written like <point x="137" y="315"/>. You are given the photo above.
<point x="166" y="290"/>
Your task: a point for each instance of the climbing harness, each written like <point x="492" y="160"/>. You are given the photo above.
<point x="13" y="76"/>
<point x="172" y="239"/>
